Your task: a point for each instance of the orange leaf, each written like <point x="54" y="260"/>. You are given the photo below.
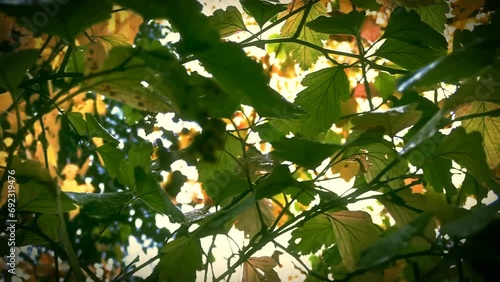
<point x="370" y="30"/>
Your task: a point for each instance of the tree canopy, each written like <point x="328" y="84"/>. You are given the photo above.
<point x="252" y="140"/>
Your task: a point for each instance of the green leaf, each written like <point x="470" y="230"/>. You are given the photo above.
<point x="36" y="196"/>
<point x="488" y="126"/>
<point x="227" y="22"/>
<point x="390" y="246"/>
<point x="140" y="155"/>
<point x="149" y="191"/>
<point x="80" y="125"/>
<point x="303" y="152"/>
<point x="393" y="120"/>
<point x="274" y="183"/>
<point x="15" y="65"/>
<point x="269" y="133"/>
<point x="407" y="27"/>
<point x="354" y="232"/>
<point x="222" y="221"/>
<point x="132" y="116"/>
<point x="262" y="11"/>
<point x="339" y="23"/>
<point x="225" y="186"/>
<point x="217" y="176"/>
<point x="471" y="188"/>
<point x="303" y="55"/>
<point x="96" y="130"/>
<point x="385" y="84"/>
<point x="126" y="173"/>
<point x="461" y="64"/>
<point x="180" y="260"/>
<point x="406" y="206"/>
<point x="240" y="75"/>
<point x="434" y="15"/>
<point x="437" y="173"/>
<point x="150" y="62"/>
<point x="89" y="126"/>
<point x="466" y="149"/>
<point x="111" y="156"/>
<point x="313" y="235"/>
<point x="48" y="224"/>
<point x="473" y="222"/>
<point x="66" y="19"/>
<point x="322" y="99"/>
<point x="406" y="55"/>
<point x="101" y="205"/>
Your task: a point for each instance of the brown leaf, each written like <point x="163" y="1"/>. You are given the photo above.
<point x="249" y="221"/>
<point x="260" y="269"/>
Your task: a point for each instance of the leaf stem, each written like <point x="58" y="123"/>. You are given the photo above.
<point x="368" y="91"/>
<point x="303" y="19"/>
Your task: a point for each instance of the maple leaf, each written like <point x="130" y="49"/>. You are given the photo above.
<point x="305" y="56"/>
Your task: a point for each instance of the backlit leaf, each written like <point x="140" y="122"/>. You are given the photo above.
<point x="385" y="84"/>
<point x="488" y="126"/>
<point x="262" y="11"/>
<point x="354" y="232"/>
<point x="228" y="21"/>
<point x="305" y="56"/>
<point x="313" y="235"/>
<point x="140" y="155"/>
<point x="260" y="269"/>
<point x="434" y="15"/>
<point x="111" y="157"/>
<point x="375" y="157"/>
<point x="322" y="99"/>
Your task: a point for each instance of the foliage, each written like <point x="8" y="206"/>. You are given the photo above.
<point x="149" y="121"/>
